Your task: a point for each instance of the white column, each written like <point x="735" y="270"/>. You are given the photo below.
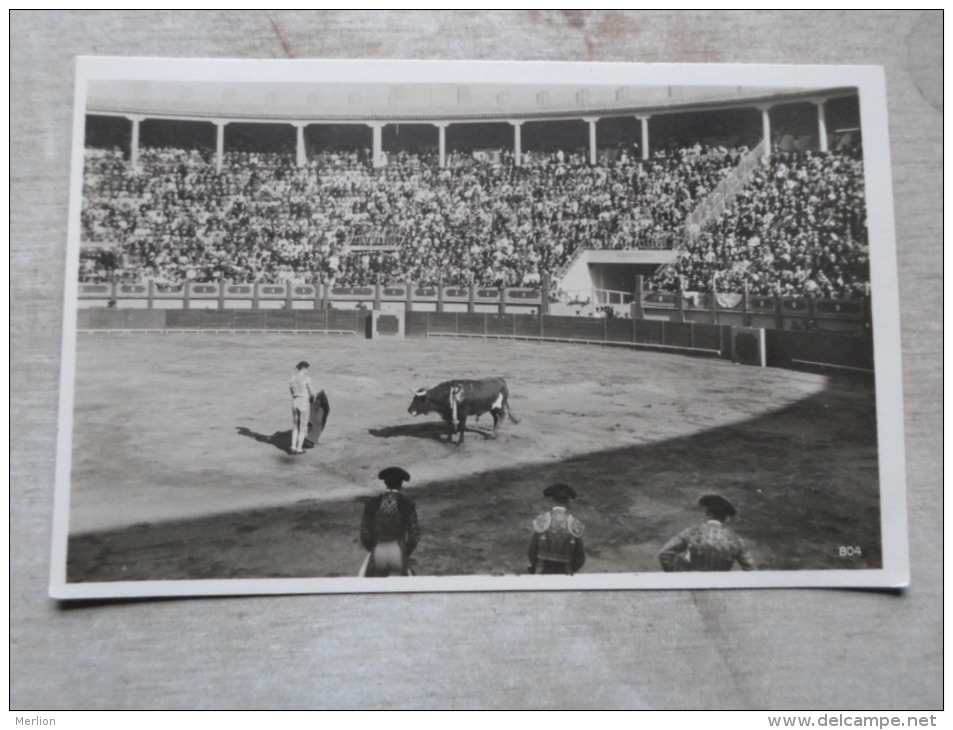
<point x="301" y="156"/>
<point x="766" y="130"/>
<point x="442" y="142"/>
<point x="645" y="137"/>
<point x="377" y="150"/>
<point x="134" y="143"/>
<point x="821" y="125"/>
<point x="593" y="153"/>
<point x="517" y="142"/>
<point x="219" y="143"/>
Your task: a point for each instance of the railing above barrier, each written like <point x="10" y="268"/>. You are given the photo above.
<point x="137" y="290"/>
<point x="765" y="305"/>
<point x="272" y="291"/>
<point x="456" y="293"/>
<point x="613" y="297"/>
<point x="840" y="309"/>
<point x="660" y="299"/>
<point x="799" y="313"/>
<point x="94" y="290"/>
<point x="352" y="293"/>
<point x="722" y="307"/>
<point x="394" y="293"/>
<point x="426" y="294"/>
<point x="239" y="290"/>
<point x="697" y="300"/>
<point x="166" y="291"/>
<point x="523" y="296"/>
<point x="203" y="291"/>
<point x="320" y="294"/>
<point x="303" y="291"/>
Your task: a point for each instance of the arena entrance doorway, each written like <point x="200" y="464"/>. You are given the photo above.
<point x="593" y="273"/>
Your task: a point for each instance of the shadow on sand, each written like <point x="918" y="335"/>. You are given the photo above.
<point x="433" y="430"/>
<point x="804" y="478"/>
<point x="279" y="439"/>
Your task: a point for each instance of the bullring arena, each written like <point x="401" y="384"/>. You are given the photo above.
<point x="674" y="283"/>
<point x="183" y="473"/>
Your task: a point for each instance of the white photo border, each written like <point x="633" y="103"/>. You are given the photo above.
<point x="871" y="86"/>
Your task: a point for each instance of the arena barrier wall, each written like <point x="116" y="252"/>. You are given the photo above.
<point x="819" y="351"/>
<point x="121" y="319"/>
<point x="850" y="316"/>
<point x="785" y="348"/>
<point x="338" y="321"/>
<point x="701" y="339"/>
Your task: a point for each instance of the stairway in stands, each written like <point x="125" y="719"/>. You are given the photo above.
<point x="724" y="193"/>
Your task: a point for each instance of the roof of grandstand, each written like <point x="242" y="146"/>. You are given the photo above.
<point x="423" y="102"/>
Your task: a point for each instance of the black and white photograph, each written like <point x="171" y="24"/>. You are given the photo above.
<point x="701" y="249"/>
<point x="469" y="326"/>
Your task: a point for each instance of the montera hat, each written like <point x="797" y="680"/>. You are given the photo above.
<point x="560" y="492"/>
<point x="394" y="475"/>
<point x="717" y="503"/>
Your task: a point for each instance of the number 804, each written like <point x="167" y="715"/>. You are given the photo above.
<point x="848" y="551"/>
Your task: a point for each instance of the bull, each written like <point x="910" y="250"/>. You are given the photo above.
<point x="455" y="400"/>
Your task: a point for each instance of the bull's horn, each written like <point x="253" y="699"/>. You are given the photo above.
<point x="422" y="391"/>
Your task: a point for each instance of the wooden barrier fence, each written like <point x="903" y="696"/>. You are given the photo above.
<point x="785" y="348"/>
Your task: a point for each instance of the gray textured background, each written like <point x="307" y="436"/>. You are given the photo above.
<point x="701" y="649"/>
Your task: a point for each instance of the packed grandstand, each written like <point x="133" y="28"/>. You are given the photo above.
<point x="795" y="228"/>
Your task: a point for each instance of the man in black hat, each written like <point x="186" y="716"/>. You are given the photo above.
<point x="389" y="529"/>
<point x="556" y="546"/>
<point x="707" y="547"/>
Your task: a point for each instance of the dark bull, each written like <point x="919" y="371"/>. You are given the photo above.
<point x="455" y="400"/>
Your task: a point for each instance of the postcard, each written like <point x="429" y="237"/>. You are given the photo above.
<point x="408" y="326"/>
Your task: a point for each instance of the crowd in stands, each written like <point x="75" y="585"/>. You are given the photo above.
<point x="798" y="228"/>
<point x="800" y="222"/>
<point x="264" y="219"/>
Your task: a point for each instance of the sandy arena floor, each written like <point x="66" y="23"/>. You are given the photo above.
<point x="180" y="469"/>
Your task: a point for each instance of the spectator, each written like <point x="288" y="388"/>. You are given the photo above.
<point x="262" y="218"/>
<point x="798" y="229"/>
